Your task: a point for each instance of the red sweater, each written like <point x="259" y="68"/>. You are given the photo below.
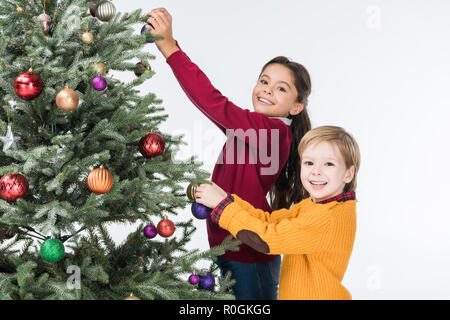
<point x="242" y="171"/>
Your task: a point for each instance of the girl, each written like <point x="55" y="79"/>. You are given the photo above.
<point x="315" y="236"/>
<point x="279" y="122"/>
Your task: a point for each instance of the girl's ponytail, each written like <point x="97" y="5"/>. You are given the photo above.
<point x="288" y="189"/>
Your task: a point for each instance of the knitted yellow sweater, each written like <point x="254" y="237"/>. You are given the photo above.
<point x="316" y="241"/>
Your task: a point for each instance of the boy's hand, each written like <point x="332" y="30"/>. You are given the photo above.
<point x="161" y="25"/>
<point x="210" y="195"/>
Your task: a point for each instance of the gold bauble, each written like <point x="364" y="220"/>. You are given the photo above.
<point x="100" y="180"/>
<point x="132" y="297"/>
<point x="99" y="68"/>
<point x="67" y="99"/>
<point x="87" y="37"/>
<point x="190" y="192"/>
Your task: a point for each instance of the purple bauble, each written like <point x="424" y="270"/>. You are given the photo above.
<point x="150" y="231"/>
<point x="194" y="279"/>
<point x="207" y="282"/>
<point x="200" y="211"/>
<point x="144" y="28"/>
<point x="99" y="83"/>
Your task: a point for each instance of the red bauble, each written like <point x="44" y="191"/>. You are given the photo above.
<point x="28" y="85"/>
<point x="13" y="186"/>
<point x="152" y="145"/>
<point x="166" y="228"/>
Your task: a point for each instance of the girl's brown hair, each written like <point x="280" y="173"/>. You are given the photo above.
<point x="288" y="188"/>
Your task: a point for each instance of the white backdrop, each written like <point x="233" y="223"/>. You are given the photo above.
<point x="381" y="70"/>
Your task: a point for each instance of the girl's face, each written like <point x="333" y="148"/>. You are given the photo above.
<point x="323" y="171"/>
<point x="275" y="94"/>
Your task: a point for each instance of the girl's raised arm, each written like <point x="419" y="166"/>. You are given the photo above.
<point x="209" y="100"/>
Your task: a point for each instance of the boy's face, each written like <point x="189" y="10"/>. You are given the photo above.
<point x="323" y="171"/>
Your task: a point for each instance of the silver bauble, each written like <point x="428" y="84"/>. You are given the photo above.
<point x="105" y="11"/>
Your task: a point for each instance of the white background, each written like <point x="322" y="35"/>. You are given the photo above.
<point x="381" y="70"/>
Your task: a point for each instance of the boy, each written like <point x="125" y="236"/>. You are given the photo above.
<point x="316" y="235"/>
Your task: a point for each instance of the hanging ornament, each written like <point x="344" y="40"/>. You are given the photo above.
<point x="150" y="231"/>
<point x="99" y="83"/>
<point x="140" y="69"/>
<point x="92" y="10"/>
<point x="145" y="28"/>
<point x="67" y="99"/>
<point x="99" y="68"/>
<point x="131" y="297"/>
<point x="194" y="279"/>
<point x="166" y="228"/>
<point x="9" y="140"/>
<point x="13" y="186"/>
<point x="45" y="21"/>
<point x="207" y="282"/>
<point x="200" y="211"/>
<point x="152" y="145"/>
<point x="52" y="250"/>
<point x="19" y="8"/>
<point x="28" y="85"/>
<point x="100" y="180"/>
<point x="105" y="11"/>
<point x="87" y="37"/>
<point x="190" y="191"/>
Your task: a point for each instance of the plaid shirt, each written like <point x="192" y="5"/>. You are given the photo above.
<point x="341" y="197"/>
<point x="217" y="212"/>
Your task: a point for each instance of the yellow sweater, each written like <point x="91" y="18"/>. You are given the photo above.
<point x="316" y="241"/>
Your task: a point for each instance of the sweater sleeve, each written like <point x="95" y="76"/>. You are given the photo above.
<point x="270" y="217"/>
<point x="218" y="108"/>
<point x="299" y="233"/>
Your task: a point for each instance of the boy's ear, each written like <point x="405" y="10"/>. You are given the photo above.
<point x="349" y="174"/>
<point x="297" y="109"/>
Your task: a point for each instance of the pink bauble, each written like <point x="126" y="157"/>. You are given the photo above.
<point x="99" y="83"/>
<point x="46" y="21"/>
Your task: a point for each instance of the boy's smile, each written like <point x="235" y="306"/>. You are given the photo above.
<point x="323" y="171"/>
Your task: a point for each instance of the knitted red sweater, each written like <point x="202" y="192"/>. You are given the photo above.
<point x="252" y="157"/>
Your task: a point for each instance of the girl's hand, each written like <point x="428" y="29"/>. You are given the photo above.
<point x="210" y="195"/>
<point x="161" y="25"/>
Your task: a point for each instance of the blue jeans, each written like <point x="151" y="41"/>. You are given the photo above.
<point x="254" y="281"/>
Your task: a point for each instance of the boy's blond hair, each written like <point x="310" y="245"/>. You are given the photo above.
<point x="343" y="140"/>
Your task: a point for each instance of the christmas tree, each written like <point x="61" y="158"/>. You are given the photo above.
<point x="82" y="151"/>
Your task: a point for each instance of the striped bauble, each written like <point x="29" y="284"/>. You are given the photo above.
<point x="105" y="11"/>
<point x="100" y="180"/>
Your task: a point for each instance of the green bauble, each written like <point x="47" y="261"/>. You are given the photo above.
<point x="52" y="250"/>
